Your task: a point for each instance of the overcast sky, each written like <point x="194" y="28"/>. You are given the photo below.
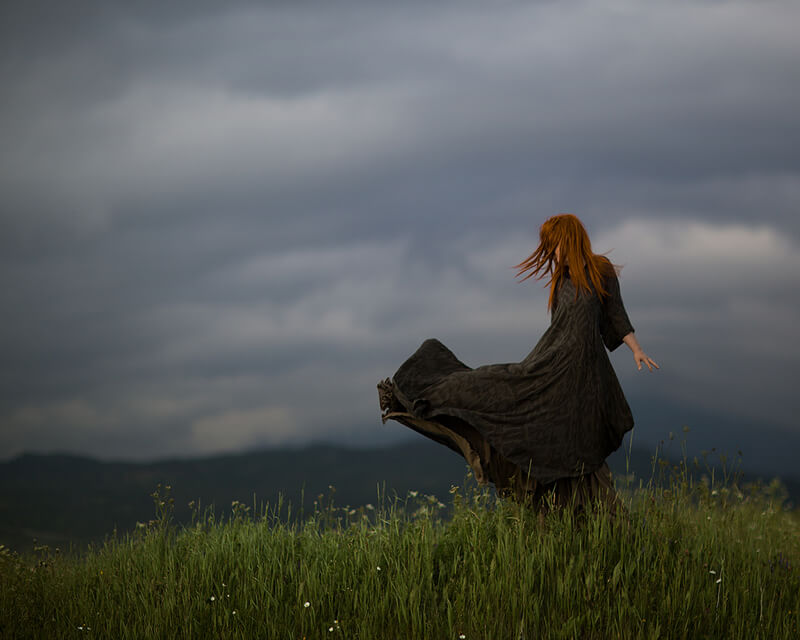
<point x="222" y="223"/>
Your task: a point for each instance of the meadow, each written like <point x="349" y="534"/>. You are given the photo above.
<point x="691" y="558"/>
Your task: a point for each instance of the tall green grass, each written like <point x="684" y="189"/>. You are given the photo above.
<point x="687" y="560"/>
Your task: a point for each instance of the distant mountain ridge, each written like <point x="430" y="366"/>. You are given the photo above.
<point x="60" y="499"/>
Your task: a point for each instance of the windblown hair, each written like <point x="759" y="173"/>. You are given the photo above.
<point x="566" y="231"/>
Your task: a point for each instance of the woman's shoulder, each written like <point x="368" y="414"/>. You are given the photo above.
<point x="603" y="263"/>
<point x="607" y="269"/>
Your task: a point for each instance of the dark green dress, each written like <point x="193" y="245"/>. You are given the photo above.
<point x="555" y="416"/>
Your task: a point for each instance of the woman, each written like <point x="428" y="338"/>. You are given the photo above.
<point x="540" y="429"/>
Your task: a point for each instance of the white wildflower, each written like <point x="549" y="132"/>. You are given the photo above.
<point x="379" y="568"/>
<point x="413" y="494"/>
<point x="306" y="604"/>
<point x="330" y="628"/>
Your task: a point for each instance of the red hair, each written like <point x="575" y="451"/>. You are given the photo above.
<point x="566" y="231"/>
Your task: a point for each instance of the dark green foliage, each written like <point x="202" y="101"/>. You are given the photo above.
<point x="688" y="560"/>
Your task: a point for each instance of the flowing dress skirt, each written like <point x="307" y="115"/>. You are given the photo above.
<point x="588" y="490"/>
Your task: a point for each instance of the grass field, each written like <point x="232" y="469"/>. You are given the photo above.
<point x="689" y="560"/>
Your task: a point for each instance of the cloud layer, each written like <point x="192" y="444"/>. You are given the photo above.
<point x="220" y="225"/>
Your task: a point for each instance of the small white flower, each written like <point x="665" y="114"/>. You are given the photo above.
<point x="413" y="494"/>
<point x="379" y="568"/>
<point x="714" y="492"/>
<point x="370" y="507"/>
<point x="713" y="572"/>
<point x="212" y="598"/>
<point x="234" y="612"/>
<point x="462" y="637"/>
<point x="330" y="628"/>
<point x="719" y="580"/>
<point x="306" y="604"/>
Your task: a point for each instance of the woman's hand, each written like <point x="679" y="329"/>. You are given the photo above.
<point x="640" y="356"/>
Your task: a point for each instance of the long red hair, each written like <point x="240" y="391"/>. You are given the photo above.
<point x="567" y="233"/>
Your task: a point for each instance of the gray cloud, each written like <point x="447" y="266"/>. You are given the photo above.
<point x="220" y="224"/>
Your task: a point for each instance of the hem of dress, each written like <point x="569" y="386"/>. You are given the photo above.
<point x="510" y="480"/>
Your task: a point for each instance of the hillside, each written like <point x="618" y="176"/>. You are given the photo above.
<point x="59" y="499"/>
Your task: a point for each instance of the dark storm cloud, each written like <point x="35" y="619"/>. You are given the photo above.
<point x="221" y="223"/>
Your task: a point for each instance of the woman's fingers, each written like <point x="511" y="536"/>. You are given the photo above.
<point x="648" y="361"/>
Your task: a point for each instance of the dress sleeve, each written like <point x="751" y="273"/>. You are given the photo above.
<point x="614" y="323"/>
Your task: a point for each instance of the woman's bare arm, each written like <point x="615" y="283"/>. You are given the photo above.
<point x="639" y="356"/>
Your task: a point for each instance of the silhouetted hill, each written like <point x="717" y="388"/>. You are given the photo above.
<point x="63" y="499"/>
<point x="60" y="498"/>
